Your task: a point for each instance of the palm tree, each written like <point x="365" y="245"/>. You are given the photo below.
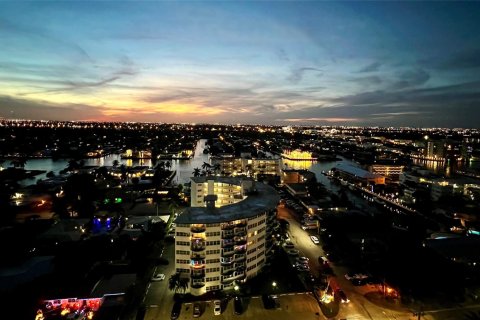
<point x="206" y="166"/>
<point x="196" y="172"/>
<point x="174" y="282"/>
<point x="115" y="163"/>
<point x="216" y="168"/>
<point x="183" y="284"/>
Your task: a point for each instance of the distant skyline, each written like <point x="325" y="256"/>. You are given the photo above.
<point x="271" y="62"/>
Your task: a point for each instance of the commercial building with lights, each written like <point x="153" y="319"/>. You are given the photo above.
<point x="247" y="165"/>
<point x="225" y="237"/>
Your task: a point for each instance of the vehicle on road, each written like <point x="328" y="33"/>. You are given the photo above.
<point x="315" y="239"/>
<point x="158" y="277"/>
<point x="217" y="307"/>
<point x="177" y="307"/>
<point x="196" y="310"/>
<point x="237" y="305"/>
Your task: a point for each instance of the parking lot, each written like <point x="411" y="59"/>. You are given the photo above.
<point x="289" y="306"/>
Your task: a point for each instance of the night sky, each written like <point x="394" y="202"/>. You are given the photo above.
<point x="273" y="62"/>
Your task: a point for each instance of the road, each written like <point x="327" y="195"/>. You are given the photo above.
<point x="158" y="298"/>
<point x="359" y="307"/>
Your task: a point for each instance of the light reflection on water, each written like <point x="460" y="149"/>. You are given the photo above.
<point x="184" y="168"/>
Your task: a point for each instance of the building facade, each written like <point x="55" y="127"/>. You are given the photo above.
<point x="250" y="166"/>
<point x="225" y="237"/>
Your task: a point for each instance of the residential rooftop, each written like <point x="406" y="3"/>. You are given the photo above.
<point x="263" y="198"/>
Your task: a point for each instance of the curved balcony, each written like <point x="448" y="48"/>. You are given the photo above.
<point x="227" y="234"/>
<point x="240" y="257"/>
<point x="227" y="280"/>
<point x="228" y="272"/>
<point x="242" y="223"/>
<point x="226" y="261"/>
<point x="197" y="248"/>
<point x="227" y="253"/>
<point x="197" y="285"/>
<point x="227" y="226"/>
<point x="197" y="262"/>
<point x="240" y="240"/>
<point x="194" y="290"/>
<point x="240" y="249"/>
<point x="227" y="243"/>
<point x="239" y="275"/>
<point x="197" y="228"/>
<point x="197" y="274"/>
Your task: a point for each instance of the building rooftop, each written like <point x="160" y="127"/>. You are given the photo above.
<point x="359" y="172"/>
<point x="265" y="198"/>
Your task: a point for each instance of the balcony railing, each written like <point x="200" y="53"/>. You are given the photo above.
<point x="227" y="234"/>
<point x="228" y="272"/>
<point x="240" y="231"/>
<point x="242" y="223"/>
<point x="240" y="240"/>
<point x="197" y="274"/>
<point x="228" y="253"/>
<point x="227" y="226"/>
<point x="227" y="243"/>
<point x="228" y="279"/>
<point x="240" y="249"/>
<point x="240" y="257"/>
<point x="226" y="261"/>
<point x="198" y="285"/>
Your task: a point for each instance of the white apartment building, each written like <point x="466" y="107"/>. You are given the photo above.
<point x="225" y="236"/>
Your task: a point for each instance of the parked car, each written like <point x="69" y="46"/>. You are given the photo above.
<point x="196" y="310"/>
<point x="237" y="305"/>
<point x="177" y="307"/>
<point x="322" y="260"/>
<point x="302" y="267"/>
<point x="268" y="301"/>
<point x="315" y="239"/>
<point x="288" y="245"/>
<point x="217" y="307"/>
<point x="293" y="252"/>
<point x="303" y="260"/>
<point x="356" y="276"/>
<point x="158" y="277"/>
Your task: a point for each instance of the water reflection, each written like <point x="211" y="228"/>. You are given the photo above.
<point x="184" y="168"/>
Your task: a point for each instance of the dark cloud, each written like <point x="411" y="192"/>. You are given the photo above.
<point x="411" y="78"/>
<point x="297" y="73"/>
<point x="368" y="80"/>
<point x="15" y="108"/>
<point x="371" y="67"/>
<point x="467" y="59"/>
